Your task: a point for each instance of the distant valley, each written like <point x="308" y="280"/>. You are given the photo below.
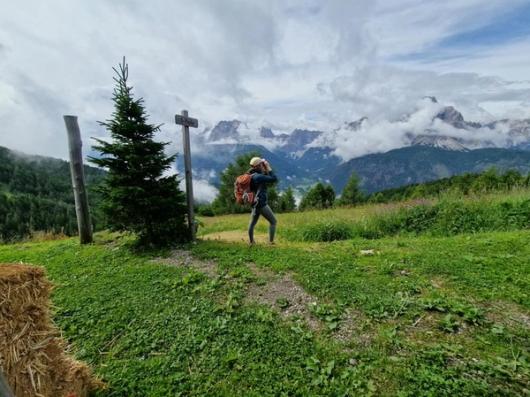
<point x="447" y="145"/>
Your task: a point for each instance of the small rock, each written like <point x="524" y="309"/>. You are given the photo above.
<point x="353" y="362"/>
<point x="367" y="252"/>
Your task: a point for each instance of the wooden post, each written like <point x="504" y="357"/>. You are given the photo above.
<point x="186" y="123"/>
<point x="78" y="180"/>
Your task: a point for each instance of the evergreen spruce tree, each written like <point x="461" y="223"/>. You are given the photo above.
<point x="352" y="194"/>
<point x="137" y="196"/>
<point x="318" y="197"/>
<point x="329" y="197"/>
<point x="273" y="198"/>
<point x="287" y="201"/>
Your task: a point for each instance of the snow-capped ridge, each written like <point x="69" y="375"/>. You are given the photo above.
<point x="431" y="123"/>
<point x="440" y="142"/>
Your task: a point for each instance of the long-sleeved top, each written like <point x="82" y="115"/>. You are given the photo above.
<point x="259" y="183"/>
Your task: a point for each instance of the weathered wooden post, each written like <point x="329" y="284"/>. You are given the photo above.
<point x="78" y="180"/>
<point x="187" y="122"/>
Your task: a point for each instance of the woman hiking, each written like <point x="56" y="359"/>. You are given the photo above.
<point x="262" y="175"/>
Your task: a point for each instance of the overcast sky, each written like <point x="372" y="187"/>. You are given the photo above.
<point x="312" y="64"/>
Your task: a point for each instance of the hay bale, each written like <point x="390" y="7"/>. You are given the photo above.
<point x="32" y="352"/>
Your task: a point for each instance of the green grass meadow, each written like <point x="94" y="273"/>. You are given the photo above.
<point x="436" y="295"/>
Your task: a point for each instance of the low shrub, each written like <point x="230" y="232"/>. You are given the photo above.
<point x="445" y="218"/>
<point x="205" y="210"/>
<point x="448" y="218"/>
<point x="415" y="220"/>
<point x="475" y="217"/>
<point x="515" y="215"/>
<point x="326" y="231"/>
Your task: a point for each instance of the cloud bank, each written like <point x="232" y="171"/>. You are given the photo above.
<point x="284" y="64"/>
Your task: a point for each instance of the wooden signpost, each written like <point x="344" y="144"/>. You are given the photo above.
<point x="78" y="180"/>
<point x="187" y="122"/>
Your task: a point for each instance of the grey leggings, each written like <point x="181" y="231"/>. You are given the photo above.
<point x="269" y="215"/>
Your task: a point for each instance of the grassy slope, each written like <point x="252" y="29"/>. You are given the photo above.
<point x="291" y="223"/>
<point x="432" y="316"/>
<point x="157" y="330"/>
<point x="482" y="279"/>
<point x="293" y="220"/>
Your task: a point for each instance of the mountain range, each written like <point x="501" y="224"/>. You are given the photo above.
<point x="445" y="144"/>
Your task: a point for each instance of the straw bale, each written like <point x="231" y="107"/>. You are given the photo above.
<point x="32" y="352"/>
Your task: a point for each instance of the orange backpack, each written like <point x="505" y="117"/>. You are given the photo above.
<point x="242" y="191"/>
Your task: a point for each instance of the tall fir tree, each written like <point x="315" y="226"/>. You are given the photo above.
<point x="352" y="194"/>
<point x="318" y="197"/>
<point x="273" y="198"/>
<point x="287" y="200"/>
<point x="137" y="195"/>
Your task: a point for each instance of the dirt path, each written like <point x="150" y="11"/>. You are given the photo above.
<point x="182" y="258"/>
<point x="278" y="291"/>
<point x="282" y="293"/>
<point x="236" y="236"/>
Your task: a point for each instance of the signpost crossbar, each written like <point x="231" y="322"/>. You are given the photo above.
<point x="186" y="121"/>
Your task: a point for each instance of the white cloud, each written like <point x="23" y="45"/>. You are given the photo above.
<point x="388" y="91"/>
<point x="381" y="135"/>
<point x="203" y="191"/>
<point x="509" y="60"/>
<point x="287" y="64"/>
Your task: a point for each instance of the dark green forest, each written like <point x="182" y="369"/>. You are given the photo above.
<point x="36" y="195"/>
<point x="488" y="181"/>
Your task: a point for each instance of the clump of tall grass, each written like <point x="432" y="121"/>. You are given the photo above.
<point x="447" y="217"/>
<point x="42" y="236"/>
<point x="450" y="217"/>
<point x="323" y="231"/>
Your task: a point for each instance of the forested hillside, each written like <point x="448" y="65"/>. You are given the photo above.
<point x="488" y="181"/>
<point x="418" y="164"/>
<point x="36" y="195"/>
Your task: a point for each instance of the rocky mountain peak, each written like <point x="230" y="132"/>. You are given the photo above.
<point x="225" y="130"/>
<point x="355" y="125"/>
<point x="451" y="116"/>
<point x="439" y="141"/>
<point x="300" y="138"/>
<point x="265" y="132"/>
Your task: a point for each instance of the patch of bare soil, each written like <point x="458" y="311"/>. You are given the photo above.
<point x="423" y="326"/>
<point x="508" y="313"/>
<point x="279" y="291"/>
<point x="438" y="282"/>
<point x="235" y="236"/>
<point x="182" y="258"/>
<point x="285" y="295"/>
<point x="282" y="293"/>
<point x="351" y="328"/>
